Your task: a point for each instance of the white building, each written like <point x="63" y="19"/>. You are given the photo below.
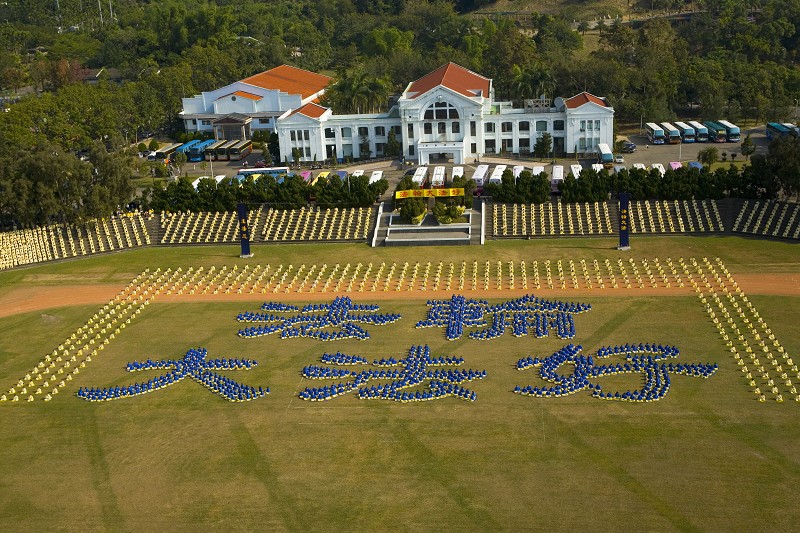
<point x="451" y="112"/>
<point x="238" y="109"/>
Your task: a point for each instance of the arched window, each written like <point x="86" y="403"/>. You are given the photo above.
<point x="441" y="110"/>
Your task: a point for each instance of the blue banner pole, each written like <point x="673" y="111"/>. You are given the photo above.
<point x="244" y="231"/>
<point x="624" y="222"/>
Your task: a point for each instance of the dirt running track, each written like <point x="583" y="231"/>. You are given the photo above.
<point x="37" y="298"/>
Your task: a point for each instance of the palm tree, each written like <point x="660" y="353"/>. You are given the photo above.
<point x="355" y="92"/>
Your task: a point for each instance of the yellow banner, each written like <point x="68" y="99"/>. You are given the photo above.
<point x="429" y="193"/>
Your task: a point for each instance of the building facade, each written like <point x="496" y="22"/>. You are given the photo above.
<point x="449" y="112"/>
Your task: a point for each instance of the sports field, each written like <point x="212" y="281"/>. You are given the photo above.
<point x="709" y="455"/>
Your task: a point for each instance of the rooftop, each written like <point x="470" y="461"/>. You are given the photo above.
<point x="454" y="77"/>
<point x="585" y="98"/>
<point x="291" y="80"/>
<point x="310" y="110"/>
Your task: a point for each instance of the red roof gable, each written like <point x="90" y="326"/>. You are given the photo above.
<point x="243" y="94"/>
<point x="291" y="80"/>
<point x="310" y="110"/>
<point x="584" y="98"/>
<point x="454" y="77"/>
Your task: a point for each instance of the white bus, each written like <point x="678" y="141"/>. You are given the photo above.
<point x="517" y="170"/>
<point x="640" y="166"/>
<point x="420" y="177"/>
<point x="437" y="181"/>
<point x="576" y="171"/>
<point x="659" y="167"/>
<point x="597" y="167"/>
<point x="686" y="131"/>
<point x="700" y="131"/>
<point x="457" y="171"/>
<point x="357" y="173"/>
<point x="497" y="174"/>
<point x="377" y="175"/>
<point x="479" y="177"/>
<point x="557" y="178"/>
<point x="537" y="169"/>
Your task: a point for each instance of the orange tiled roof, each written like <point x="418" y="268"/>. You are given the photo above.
<point x="243" y="94"/>
<point x="584" y="98"/>
<point x="454" y="77"/>
<point x="310" y="110"/>
<point x="290" y="80"/>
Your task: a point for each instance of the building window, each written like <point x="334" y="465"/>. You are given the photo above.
<point x="205" y="122"/>
<point x="441" y="111"/>
<point x="428" y="128"/>
<point x="582" y="144"/>
<point x="380" y="148"/>
<point x="541" y="125"/>
<point x="411" y="150"/>
<point x="506" y="127"/>
<point x="363" y="131"/>
<point x="442" y="128"/>
<point x="524" y="126"/>
<point x="330" y="133"/>
<point x="410" y="131"/>
<point x="558" y="125"/>
<point x="596" y="125"/>
<point x="292" y="136"/>
<point x="473" y="148"/>
<point x="263" y="121"/>
<point x="590" y="125"/>
<point x="524" y="145"/>
<point x="472" y="129"/>
<point x="583" y="125"/>
<point x="308" y="151"/>
<point x="380" y="131"/>
<point x="347" y="132"/>
<point x="508" y="145"/>
<point x="489" y="127"/>
<point x="456" y="127"/>
<point x="490" y="146"/>
<point x="305" y="135"/>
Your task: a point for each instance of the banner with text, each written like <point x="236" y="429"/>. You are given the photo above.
<point x="428" y="193"/>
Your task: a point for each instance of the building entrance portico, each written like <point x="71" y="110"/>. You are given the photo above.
<point x="454" y="149"/>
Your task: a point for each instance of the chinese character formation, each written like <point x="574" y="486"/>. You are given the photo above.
<point x="528" y="314"/>
<point x="417" y="369"/>
<point x="196" y="365"/>
<point x="313" y="319"/>
<point x="640" y="358"/>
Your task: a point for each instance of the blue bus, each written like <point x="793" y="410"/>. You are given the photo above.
<point x="716" y="132"/>
<point x="276" y="172"/>
<point x="775" y="129"/>
<point x="686" y="131"/>
<point x="655" y="135"/>
<point x="188" y="146"/>
<point x="732" y="132"/>
<point x="198" y="151"/>
<point x="700" y="131"/>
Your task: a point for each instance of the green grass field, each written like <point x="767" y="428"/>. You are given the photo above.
<point x="708" y="456"/>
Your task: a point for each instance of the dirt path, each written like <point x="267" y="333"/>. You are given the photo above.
<point x="27" y="299"/>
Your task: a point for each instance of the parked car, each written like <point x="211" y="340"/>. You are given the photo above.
<point x="619" y="158"/>
<point x="628" y="148"/>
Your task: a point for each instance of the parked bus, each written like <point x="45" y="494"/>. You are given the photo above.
<point x="604" y="155"/>
<point x="732" y="131"/>
<point x="479" y="177"/>
<point x="597" y="167"/>
<point x="197" y="152"/>
<point x="321" y="175"/>
<point x="671" y="133"/>
<point x="716" y="132"/>
<point x="537" y="169"/>
<point x="357" y="173"/>
<point x="576" y="171"/>
<point x="163" y="154"/>
<point x="675" y="165"/>
<point x="655" y="135"/>
<point x="240" y="150"/>
<point x="700" y="131"/>
<point x="184" y="148"/>
<point x="377" y="175"/>
<point x="437" y="181"/>
<point x="686" y="131"/>
<point x="497" y="174"/>
<point x="222" y="151"/>
<point x="775" y="129"/>
<point x="557" y="178"/>
<point x="639" y="166"/>
<point x="211" y="150"/>
<point x="792" y="127"/>
<point x="420" y="177"/>
<point x="457" y="171"/>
